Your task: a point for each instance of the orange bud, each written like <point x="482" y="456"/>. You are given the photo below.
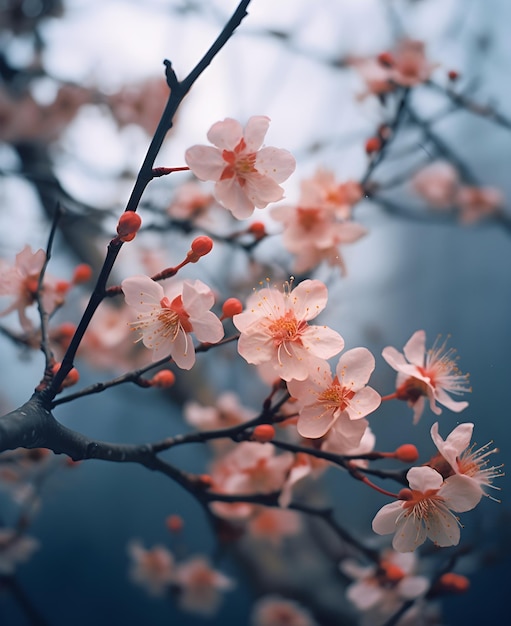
<point x="128" y="225"/>
<point x="82" y="274"/>
<point x="232" y="306"/>
<point x="163" y="379"/>
<point x="71" y="379"/>
<point x="263" y="433"/>
<point x="453" y="583"/>
<point x="386" y="59"/>
<point x="257" y="229"/>
<point x="392" y="572"/>
<point x="174" y="523"/>
<point x="407" y="453"/>
<point x="453" y="75"/>
<point x="200" y="247"/>
<point x="373" y="144"/>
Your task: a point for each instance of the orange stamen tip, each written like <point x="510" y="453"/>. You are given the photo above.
<point x="82" y="274"/>
<point x="407" y="453"/>
<point x="128" y="225"/>
<point x="163" y="379"/>
<point x="174" y="523"/>
<point x="263" y="433"/>
<point x="453" y="583"/>
<point x="231" y="307"/>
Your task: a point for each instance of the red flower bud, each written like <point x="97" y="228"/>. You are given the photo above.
<point x="453" y="583"/>
<point x="174" y="523"/>
<point x="82" y="274"/>
<point x="200" y="247"/>
<point x="232" y="306"/>
<point x="257" y="229"/>
<point x="128" y="225"/>
<point x="263" y="433"/>
<point x="407" y="453"/>
<point x="163" y="379"/>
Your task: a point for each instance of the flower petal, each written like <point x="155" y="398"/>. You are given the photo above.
<point x="355" y="368"/>
<point x="205" y="162"/>
<point x="226" y="135"/>
<point x="415" y="348"/>
<point x="276" y="163"/>
<point x="255" y="131"/>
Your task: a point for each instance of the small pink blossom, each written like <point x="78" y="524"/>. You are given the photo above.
<point x="140" y="104"/>
<point x="20" y="282"/>
<point x="425" y="510"/>
<point x="15" y="548"/>
<point x="476" y="203"/>
<point x="200" y="586"/>
<point x="437" y="183"/>
<point x="166" y="319"/>
<point x="322" y="399"/>
<point x="276" y="611"/>
<point x="227" y="412"/>
<point x="431" y="374"/>
<point x="246" y="175"/>
<point x="463" y="459"/>
<point x="153" y="569"/>
<point x="191" y="202"/>
<point x="381" y="590"/>
<point x="275" y="331"/>
<point x="409" y="66"/>
<point x="321" y="221"/>
<point x="323" y="190"/>
<point x="273" y="525"/>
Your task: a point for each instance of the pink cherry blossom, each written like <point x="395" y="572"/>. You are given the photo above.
<point x="431" y="374"/>
<point x="246" y="175"/>
<point x="153" y="569"/>
<point x="15" y="548"/>
<point x="325" y="191"/>
<point x="276" y="611"/>
<point x="275" y="331"/>
<point x="476" y="203"/>
<point x="227" y="412"/>
<point x="166" y="319"/>
<point x="437" y="183"/>
<point x="273" y="525"/>
<point x="425" y="510"/>
<point x="200" y="586"/>
<point x="379" y="591"/>
<point x="321" y="222"/>
<point x="20" y="282"/>
<point x="409" y="64"/>
<point x="322" y="398"/>
<point x="463" y="459"/>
